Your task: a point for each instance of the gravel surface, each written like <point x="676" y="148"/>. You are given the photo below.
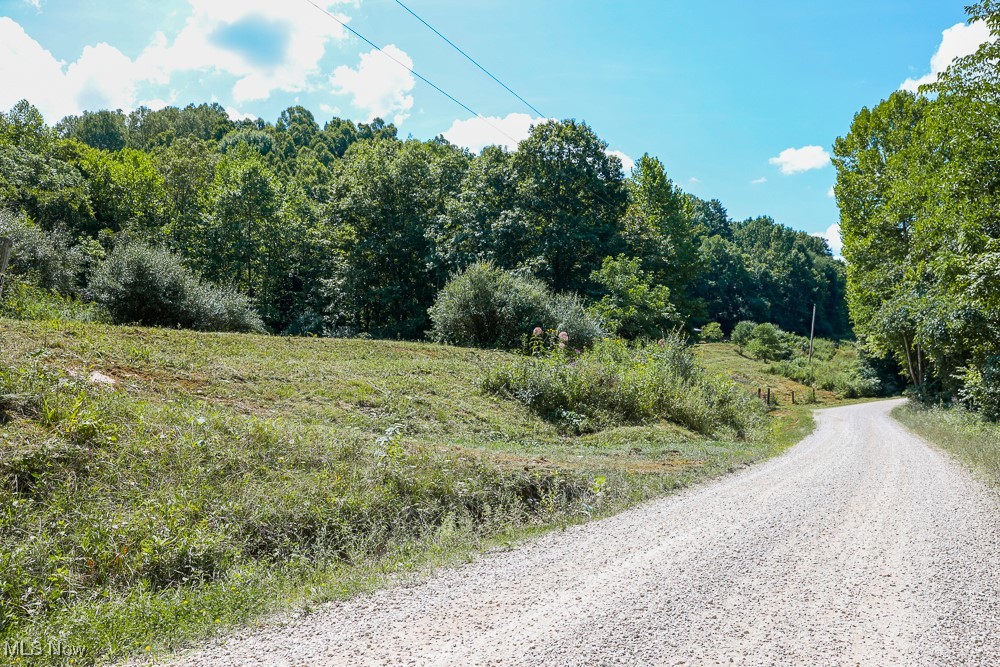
<point x="860" y="546"/>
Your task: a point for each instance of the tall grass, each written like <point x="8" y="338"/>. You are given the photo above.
<point x="971" y="439"/>
<point x="109" y="499"/>
<point x="615" y="384"/>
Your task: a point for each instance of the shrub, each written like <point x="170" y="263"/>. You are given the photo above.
<point x="712" y="332"/>
<point x="981" y="389"/>
<point x="632" y="306"/>
<point x="45" y="259"/>
<point x="138" y="284"/>
<point x="567" y="313"/>
<point x="614" y="384"/>
<point x="742" y="334"/>
<point x="485" y="306"/>
<point x="765" y="343"/>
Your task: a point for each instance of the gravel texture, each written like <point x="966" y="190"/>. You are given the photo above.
<point x="860" y="546"/>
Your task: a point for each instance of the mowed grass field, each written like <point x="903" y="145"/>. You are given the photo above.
<point x="158" y="486"/>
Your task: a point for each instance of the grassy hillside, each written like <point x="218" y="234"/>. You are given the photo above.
<point x="159" y="485"/>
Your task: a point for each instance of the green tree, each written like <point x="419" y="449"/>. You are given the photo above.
<point x="245" y="235"/>
<point x="659" y="232"/>
<point x="632" y="306"/>
<point x="765" y="343"/>
<point x="383" y="200"/>
<point x="742" y="334"/>
<point x="572" y="196"/>
<point x="712" y="332"/>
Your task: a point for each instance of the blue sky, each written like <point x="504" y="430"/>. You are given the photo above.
<point x="725" y="93"/>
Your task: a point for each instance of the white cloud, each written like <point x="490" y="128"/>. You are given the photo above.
<point x="759" y="181"/>
<point x="102" y="77"/>
<point x="628" y="164"/>
<point x="956" y="42"/>
<point x="37" y="4"/>
<point x="694" y="180"/>
<point x="237" y="115"/>
<point x="832" y="237"/>
<point x="379" y="86"/>
<point x="508" y="131"/>
<point x="830" y="193"/>
<point x="265" y="46"/>
<point x="796" y="160"/>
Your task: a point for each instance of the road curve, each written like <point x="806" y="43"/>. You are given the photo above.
<point x="862" y="545"/>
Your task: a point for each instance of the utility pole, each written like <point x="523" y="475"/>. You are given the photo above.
<point x="5" y="246"/>
<point x="812" y="331"/>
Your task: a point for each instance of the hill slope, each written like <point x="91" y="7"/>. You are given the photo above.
<point x="165" y="483"/>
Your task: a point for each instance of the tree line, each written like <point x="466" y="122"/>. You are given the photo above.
<point x="918" y="187"/>
<point x="347" y="229"/>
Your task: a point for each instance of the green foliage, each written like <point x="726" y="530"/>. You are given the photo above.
<point x="661" y="234"/>
<point x="572" y="195"/>
<point x="742" y="334"/>
<point x="347" y="230"/>
<point x="981" y="389"/>
<point x="48" y="260"/>
<point x="25" y="301"/>
<point x="488" y="307"/>
<point x="915" y="185"/>
<point x="223" y="478"/>
<point x="138" y="284"/>
<point x="765" y="343"/>
<point x="383" y="201"/>
<point x="616" y="384"/>
<point x="632" y="307"/>
<point x="712" y="332"/>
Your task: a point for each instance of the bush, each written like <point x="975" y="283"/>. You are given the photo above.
<point x="742" y="334"/>
<point x="844" y="371"/>
<point x="712" y="332"/>
<point x="488" y="307"/>
<point x="981" y="389"/>
<point x="614" y="384"/>
<point x="45" y="259"/>
<point x="567" y="313"/>
<point x="765" y="343"/>
<point x="138" y="284"/>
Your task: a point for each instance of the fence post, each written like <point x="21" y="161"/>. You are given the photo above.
<point x="5" y="245"/>
<point x="769" y="396"/>
<point x="793" y="398"/>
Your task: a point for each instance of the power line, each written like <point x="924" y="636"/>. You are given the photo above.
<point x="410" y="70"/>
<point x="470" y="58"/>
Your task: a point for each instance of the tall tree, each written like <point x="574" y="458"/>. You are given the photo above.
<point x="659" y="232"/>
<point x="572" y="194"/>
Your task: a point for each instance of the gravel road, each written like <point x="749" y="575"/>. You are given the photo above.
<point x="860" y="546"/>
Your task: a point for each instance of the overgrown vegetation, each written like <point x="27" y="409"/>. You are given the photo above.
<point x="966" y="435"/>
<point x="840" y="367"/>
<point x="614" y="384"/>
<point x="137" y="284"/>
<point x="160" y="484"/>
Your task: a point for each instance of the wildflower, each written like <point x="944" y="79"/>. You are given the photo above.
<point x="563" y="336"/>
<point x="537" y="331"/>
